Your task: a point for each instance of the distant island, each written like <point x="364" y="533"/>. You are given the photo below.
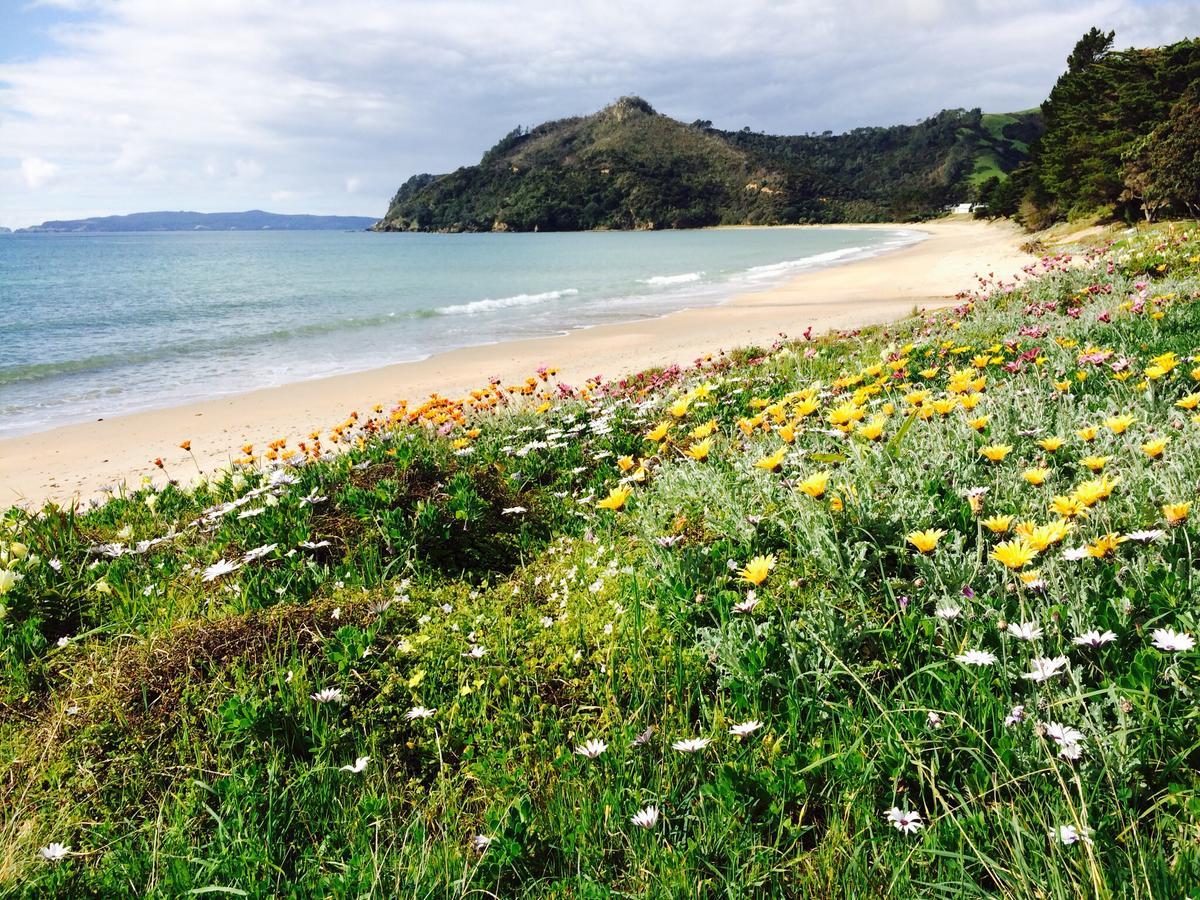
<point x="630" y="167"/>
<point x="252" y="220"/>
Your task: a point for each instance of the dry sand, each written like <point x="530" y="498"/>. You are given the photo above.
<point x="76" y="461"/>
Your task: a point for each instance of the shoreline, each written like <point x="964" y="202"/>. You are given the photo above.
<point x="74" y="462"/>
<point x="647" y="299"/>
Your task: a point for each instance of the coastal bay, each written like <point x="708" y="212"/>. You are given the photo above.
<point x="78" y="461"/>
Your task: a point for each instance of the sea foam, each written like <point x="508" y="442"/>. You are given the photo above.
<point x="492" y="304"/>
<point x="686" y="278"/>
<point x="769" y="271"/>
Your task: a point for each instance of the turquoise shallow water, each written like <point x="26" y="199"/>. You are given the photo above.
<point x="97" y="325"/>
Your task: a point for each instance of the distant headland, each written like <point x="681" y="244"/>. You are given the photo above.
<point x="252" y="220"/>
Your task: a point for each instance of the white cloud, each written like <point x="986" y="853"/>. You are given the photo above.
<point x="38" y="172"/>
<point x="220" y="103"/>
<point x="247" y="169"/>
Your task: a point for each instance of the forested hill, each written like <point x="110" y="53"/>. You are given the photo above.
<point x="630" y="167"/>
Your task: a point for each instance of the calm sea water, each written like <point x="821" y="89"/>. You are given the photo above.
<point x="97" y="325"/>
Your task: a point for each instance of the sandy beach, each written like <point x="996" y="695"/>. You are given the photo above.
<point x="77" y="461"/>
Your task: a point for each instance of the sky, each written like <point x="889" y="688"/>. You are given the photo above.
<point x="117" y="106"/>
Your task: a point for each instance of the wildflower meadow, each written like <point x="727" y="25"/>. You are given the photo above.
<point x="908" y="611"/>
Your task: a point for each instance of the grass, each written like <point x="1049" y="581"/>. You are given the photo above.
<point x="987" y="165"/>
<point x="989" y="161"/>
<point x="158" y="717"/>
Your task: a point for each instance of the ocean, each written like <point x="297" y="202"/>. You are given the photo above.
<point x="98" y="325"/>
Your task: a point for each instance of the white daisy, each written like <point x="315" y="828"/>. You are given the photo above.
<point x="1070" y="752"/>
<point x="646" y="818"/>
<point x="1075" y="554"/>
<point x="947" y="612"/>
<point x="907" y="821"/>
<point x="513" y="510"/>
<point x="329" y="695"/>
<point x="746" y="606"/>
<point x="1025" y="631"/>
<point x="1069" y="834"/>
<point x="1093" y="638"/>
<point x="1146" y="536"/>
<point x="258" y="552"/>
<point x="1063" y="734"/>
<point x="419" y="712"/>
<point x="1015" y="716"/>
<point x="691" y="745"/>
<point x="54" y="851"/>
<point x="591" y="749"/>
<point x="644" y="737"/>
<point x="1068" y="739"/>
<point x="976" y="658"/>
<point x="358" y="766"/>
<point x="745" y="728"/>
<point x="219" y="568"/>
<point x="476" y="652"/>
<point x="1043" y="668"/>
<point x="1171" y="641"/>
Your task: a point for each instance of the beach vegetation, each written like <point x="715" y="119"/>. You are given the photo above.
<point x="523" y="644"/>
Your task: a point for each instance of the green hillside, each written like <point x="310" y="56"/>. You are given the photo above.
<point x="630" y="167"/>
<point x="1006" y="145"/>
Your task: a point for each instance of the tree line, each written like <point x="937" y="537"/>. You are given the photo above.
<point x="1121" y="139"/>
